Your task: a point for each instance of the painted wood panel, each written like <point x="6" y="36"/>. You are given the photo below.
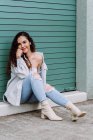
<point x="52" y="24"/>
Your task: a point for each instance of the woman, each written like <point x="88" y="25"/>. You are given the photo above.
<point x="28" y="79"/>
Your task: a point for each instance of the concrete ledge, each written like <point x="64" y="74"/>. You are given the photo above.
<point x="7" y="109"/>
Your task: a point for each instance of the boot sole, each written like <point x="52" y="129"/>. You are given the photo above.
<point x="82" y="114"/>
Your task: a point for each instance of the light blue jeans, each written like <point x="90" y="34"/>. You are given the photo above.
<point x="33" y="91"/>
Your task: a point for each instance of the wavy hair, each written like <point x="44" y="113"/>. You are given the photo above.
<point x="14" y="47"/>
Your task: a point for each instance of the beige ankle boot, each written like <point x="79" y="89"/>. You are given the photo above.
<point x="47" y="112"/>
<point x="76" y="112"/>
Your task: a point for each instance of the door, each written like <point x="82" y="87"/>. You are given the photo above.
<point x="52" y="24"/>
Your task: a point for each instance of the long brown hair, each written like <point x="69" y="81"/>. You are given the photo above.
<point x="14" y="47"/>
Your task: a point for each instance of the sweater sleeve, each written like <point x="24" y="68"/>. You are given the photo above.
<point x="21" y="70"/>
<point x="44" y="71"/>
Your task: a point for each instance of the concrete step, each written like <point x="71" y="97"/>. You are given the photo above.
<point x="7" y="109"/>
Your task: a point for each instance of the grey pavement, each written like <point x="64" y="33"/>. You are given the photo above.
<point x="29" y="126"/>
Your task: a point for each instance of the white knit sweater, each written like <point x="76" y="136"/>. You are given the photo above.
<point x="14" y="85"/>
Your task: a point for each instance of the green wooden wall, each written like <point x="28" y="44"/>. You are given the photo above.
<point x="52" y="24"/>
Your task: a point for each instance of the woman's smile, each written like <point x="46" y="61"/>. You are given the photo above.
<point x="24" y="48"/>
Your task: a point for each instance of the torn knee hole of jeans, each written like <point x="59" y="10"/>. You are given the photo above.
<point x="49" y="89"/>
<point x="36" y="76"/>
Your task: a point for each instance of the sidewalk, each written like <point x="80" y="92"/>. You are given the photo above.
<point x="29" y="126"/>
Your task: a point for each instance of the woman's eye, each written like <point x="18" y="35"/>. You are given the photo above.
<point x="24" y="42"/>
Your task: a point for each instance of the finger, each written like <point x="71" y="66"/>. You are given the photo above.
<point x="19" y="47"/>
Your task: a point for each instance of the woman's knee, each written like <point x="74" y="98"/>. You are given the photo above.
<point x="49" y="88"/>
<point x="36" y="76"/>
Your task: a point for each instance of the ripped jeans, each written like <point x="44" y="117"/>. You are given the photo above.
<point x="33" y="91"/>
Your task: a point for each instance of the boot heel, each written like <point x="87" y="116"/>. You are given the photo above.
<point x="74" y="118"/>
<point x="43" y="116"/>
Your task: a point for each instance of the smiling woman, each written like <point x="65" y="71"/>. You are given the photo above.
<point x="23" y="44"/>
<point x="28" y="80"/>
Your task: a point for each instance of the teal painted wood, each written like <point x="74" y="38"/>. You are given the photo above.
<point x="52" y="24"/>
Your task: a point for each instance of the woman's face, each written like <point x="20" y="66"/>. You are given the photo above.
<point x="23" y="44"/>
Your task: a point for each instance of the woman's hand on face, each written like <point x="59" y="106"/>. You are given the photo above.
<point x="19" y="53"/>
